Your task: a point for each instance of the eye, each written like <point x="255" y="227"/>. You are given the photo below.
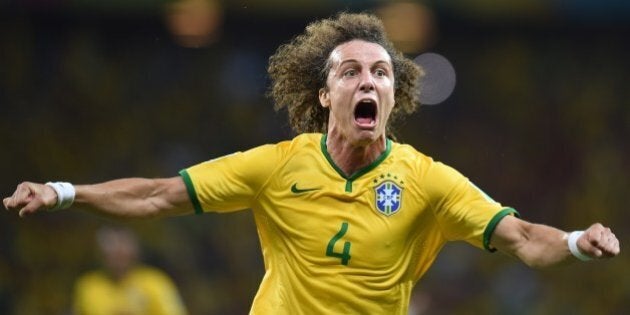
<point x="350" y="73"/>
<point x="380" y="72"/>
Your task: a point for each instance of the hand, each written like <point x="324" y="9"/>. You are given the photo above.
<point x="30" y="198"/>
<point x="598" y="241"/>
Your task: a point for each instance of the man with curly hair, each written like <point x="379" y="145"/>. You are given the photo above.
<point x="348" y="219"/>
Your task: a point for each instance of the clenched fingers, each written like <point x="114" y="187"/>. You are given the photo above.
<point x="20" y="197"/>
<point x="599" y="241"/>
<point x="29" y="198"/>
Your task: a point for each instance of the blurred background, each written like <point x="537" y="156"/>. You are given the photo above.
<point x="92" y="90"/>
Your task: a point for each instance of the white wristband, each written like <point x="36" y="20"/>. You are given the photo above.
<point x="572" y="242"/>
<point x="65" y="195"/>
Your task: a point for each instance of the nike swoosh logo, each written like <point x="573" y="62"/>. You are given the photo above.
<point x="296" y="190"/>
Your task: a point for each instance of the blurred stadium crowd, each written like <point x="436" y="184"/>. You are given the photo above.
<point x="95" y="90"/>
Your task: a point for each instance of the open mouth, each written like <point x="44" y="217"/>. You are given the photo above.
<point x="365" y="113"/>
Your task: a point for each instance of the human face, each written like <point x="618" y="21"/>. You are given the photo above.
<point x="119" y="250"/>
<point x="359" y="92"/>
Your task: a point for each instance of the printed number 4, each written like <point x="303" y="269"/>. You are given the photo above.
<point x="345" y="254"/>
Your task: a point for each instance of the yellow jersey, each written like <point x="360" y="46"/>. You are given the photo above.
<point x="143" y="291"/>
<point x="337" y="244"/>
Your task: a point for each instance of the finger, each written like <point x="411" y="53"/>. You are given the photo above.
<point x="31" y="208"/>
<point x="9" y="202"/>
<point x="23" y="213"/>
<point x="616" y="248"/>
<point x="21" y="196"/>
<point x="596" y="227"/>
<point x="21" y="191"/>
<point x="594" y="237"/>
<point x="588" y="243"/>
<point x="598" y="234"/>
<point x="604" y="243"/>
<point x="611" y="247"/>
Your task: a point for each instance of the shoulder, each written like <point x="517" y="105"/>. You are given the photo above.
<point x="305" y="140"/>
<point x="149" y="272"/>
<point x="430" y="174"/>
<point x="151" y="278"/>
<point x="302" y="143"/>
<point x="407" y="154"/>
<point x="92" y="276"/>
<point x="92" y="280"/>
<point x="407" y="151"/>
<point x="283" y="148"/>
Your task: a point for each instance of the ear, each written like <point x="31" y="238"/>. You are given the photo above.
<point x="324" y="97"/>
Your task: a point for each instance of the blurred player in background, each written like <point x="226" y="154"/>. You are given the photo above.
<point x="124" y="286"/>
<point x="348" y="219"/>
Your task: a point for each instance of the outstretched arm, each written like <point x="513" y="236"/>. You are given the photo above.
<point x="128" y="198"/>
<point x="542" y="246"/>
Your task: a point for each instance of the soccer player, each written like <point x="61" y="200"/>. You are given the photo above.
<point x="123" y="285"/>
<point x="348" y="219"/>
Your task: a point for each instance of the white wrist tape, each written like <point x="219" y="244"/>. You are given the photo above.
<point x="65" y="195"/>
<point x="572" y="242"/>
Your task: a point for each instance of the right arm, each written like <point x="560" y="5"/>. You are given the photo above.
<point x="129" y="198"/>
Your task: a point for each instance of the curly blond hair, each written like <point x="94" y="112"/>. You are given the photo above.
<point x="299" y="69"/>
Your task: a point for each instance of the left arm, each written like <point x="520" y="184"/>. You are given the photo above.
<point x="541" y="246"/>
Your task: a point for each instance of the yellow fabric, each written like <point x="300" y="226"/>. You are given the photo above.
<point x="143" y="291"/>
<point x="301" y="203"/>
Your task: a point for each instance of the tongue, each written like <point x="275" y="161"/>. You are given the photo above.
<point x="364" y="120"/>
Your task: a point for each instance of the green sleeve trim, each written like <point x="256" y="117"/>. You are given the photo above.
<point x="487" y="234"/>
<point x="191" y="191"/>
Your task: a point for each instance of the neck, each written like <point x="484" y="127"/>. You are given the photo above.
<point x="350" y="157"/>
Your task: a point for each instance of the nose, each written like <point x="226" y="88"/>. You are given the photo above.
<point x="367" y="82"/>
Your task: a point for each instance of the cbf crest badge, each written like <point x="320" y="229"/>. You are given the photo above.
<point x="388" y="197"/>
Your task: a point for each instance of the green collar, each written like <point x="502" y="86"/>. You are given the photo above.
<point x="361" y="172"/>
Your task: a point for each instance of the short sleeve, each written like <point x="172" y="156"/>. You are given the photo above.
<point x="463" y="211"/>
<point x="231" y="182"/>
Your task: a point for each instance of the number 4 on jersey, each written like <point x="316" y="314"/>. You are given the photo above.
<point x="345" y="254"/>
